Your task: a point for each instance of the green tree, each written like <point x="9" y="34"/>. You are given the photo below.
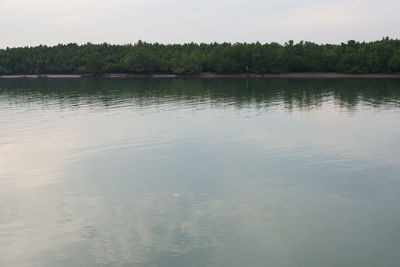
<point x="394" y="62"/>
<point x="95" y="63"/>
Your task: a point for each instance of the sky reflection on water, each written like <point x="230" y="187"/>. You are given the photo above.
<point x="190" y="172"/>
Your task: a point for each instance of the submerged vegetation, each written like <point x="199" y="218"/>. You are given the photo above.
<point x="352" y="57"/>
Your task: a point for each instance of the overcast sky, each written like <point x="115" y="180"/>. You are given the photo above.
<point x="33" y="22"/>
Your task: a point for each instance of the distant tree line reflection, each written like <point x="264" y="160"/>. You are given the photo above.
<point x="290" y="93"/>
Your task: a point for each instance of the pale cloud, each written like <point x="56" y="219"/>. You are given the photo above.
<point x="32" y="22"/>
<point x="337" y="15"/>
<point x="51" y="4"/>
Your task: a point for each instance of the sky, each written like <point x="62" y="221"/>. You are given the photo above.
<point x="50" y="22"/>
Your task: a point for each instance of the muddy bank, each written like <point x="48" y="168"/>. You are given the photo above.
<point x="297" y="75"/>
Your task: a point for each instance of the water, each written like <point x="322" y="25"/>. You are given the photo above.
<point x="186" y="172"/>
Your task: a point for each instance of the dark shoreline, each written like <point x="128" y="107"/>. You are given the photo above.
<point x="295" y="75"/>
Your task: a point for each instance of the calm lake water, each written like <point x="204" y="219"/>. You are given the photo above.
<point x="191" y="172"/>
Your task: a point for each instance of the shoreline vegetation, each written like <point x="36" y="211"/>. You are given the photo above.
<point x="290" y="60"/>
<point x="210" y="75"/>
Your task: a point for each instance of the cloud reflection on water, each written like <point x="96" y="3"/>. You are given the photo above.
<point x="280" y="172"/>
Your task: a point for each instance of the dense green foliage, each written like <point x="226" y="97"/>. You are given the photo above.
<point x="351" y="57"/>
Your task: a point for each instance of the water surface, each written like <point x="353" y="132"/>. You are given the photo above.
<point x="197" y="172"/>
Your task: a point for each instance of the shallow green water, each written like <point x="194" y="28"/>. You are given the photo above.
<point x="187" y="172"/>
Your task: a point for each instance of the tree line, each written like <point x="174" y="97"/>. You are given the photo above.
<point x="381" y="56"/>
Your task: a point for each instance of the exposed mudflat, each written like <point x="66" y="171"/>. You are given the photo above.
<point x="213" y="75"/>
